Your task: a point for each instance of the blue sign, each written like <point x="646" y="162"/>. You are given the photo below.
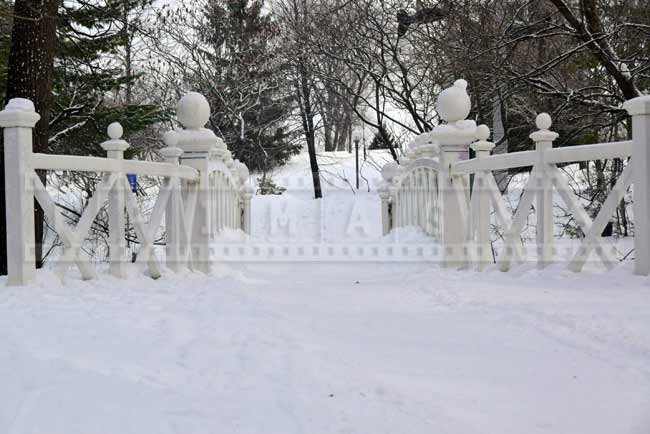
<point x="133" y="182"/>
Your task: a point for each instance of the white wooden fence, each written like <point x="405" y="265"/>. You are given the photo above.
<point x="203" y="190"/>
<point x="465" y="218"/>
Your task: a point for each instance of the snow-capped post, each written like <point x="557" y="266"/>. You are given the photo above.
<point x="115" y="148"/>
<point x="173" y="228"/>
<point x="384" y="195"/>
<point x="639" y="109"/>
<point x="388" y="173"/>
<point x="18" y="120"/>
<point x="198" y="144"/>
<point x="454" y="139"/>
<point x="545" y="233"/>
<point x="246" y="193"/>
<point x="481" y="219"/>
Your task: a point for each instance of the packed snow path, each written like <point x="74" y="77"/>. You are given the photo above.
<point x="328" y="348"/>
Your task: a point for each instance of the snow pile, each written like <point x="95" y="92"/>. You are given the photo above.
<point x="328" y="348"/>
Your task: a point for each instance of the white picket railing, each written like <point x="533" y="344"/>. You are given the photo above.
<point x="411" y="196"/>
<point x="465" y="219"/>
<point x="203" y="191"/>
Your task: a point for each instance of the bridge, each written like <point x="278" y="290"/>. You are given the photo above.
<point x="437" y="188"/>
<point x="354" y="328"/>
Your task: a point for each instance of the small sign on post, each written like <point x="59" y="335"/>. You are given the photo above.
<point x="133" y="182"/>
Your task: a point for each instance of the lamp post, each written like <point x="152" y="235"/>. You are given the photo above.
<point x="357" y="139"/>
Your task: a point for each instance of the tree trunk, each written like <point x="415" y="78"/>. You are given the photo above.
<point x="308" y="127"/>
<point x="30" y="71"/>
<point x="128" y="62"/>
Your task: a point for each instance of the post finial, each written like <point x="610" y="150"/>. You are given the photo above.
<point x="19" y="112"/>
<point x="482" y="132"/>
<point x="482" y="145"/>
<point x="170" y="138"/>
<point x="544" y="133"/>
<point x="172" y="152"/>
<point x="453" y="103"/>
<point x="544" y="121"/>
<point x="193" y="111"/>
<point x="115" y="131"/>
<point x="115" y="142"/>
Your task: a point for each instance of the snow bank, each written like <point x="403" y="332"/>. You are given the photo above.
<point x="325" y="348"/>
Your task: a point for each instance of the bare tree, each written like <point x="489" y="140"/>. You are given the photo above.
<point x="295" y="19"/>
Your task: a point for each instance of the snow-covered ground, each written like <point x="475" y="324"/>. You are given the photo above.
<point x="328" y="346"/>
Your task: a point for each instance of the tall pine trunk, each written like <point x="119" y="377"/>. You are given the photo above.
<point x="31" y="65"/>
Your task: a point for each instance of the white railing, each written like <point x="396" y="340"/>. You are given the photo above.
<point x="203" y="191"/>
<point x="410" y="196"/>
<point x="466" y="219"/>
<point x="545" y="178"/>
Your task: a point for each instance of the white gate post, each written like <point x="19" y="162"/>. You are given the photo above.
<point x="18" y="119"/>
<point x="388" y="173"/>
<point x="115" y="148"/>
<point x="384" y="195"/>
<point x="454" y="138"/>
<point x="198" y="145"/>
<point x="545" y="234"/>
<point x="173" y="228"/>
<point x="481" y="220"/>
<point x="639" y="109"/>
<point x="247" y="193"/>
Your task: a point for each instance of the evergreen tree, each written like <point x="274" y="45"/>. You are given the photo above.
<point x="93" y="76"/>
<point x="65" y="56"/>
<point x="382" y="141"/>
<point x="249" y="107"/>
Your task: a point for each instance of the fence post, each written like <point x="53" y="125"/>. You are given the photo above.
<point x="389" y="173"/>
<point x="247" y="193"/>
<point x="481" y="221"/>
<point x="639" y="109"/>
<point x="545" y="233"/>
<point x="454" y="138"/>
<point x="384" y="195"/>
<point x="199" y="144"/>
<point x="115" y="148"/>
<point x="18" y="120"/>
<point x="173" y="227"/>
